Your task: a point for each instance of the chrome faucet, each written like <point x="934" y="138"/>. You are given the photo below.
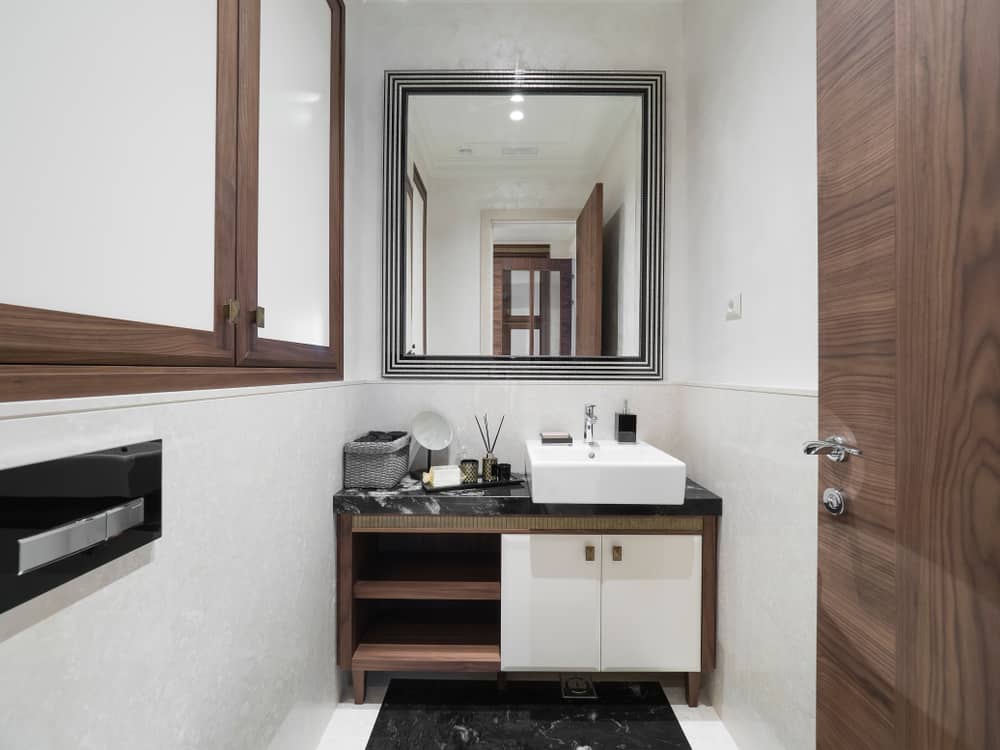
<point x="589" y="418"/>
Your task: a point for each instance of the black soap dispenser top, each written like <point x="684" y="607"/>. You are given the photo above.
<point x="626" y="426"/>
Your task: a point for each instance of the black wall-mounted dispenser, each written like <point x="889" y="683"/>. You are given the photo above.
<point x="62" y="518"/>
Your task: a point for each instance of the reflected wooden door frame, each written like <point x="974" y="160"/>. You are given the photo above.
<point x="530" y="258"/>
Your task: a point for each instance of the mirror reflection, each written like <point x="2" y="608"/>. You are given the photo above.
<point x="523" y="224"/>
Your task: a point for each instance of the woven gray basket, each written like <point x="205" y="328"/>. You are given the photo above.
<point x="376" y="465"/>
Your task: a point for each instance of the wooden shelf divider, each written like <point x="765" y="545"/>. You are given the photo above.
<point x="428" y="590"/>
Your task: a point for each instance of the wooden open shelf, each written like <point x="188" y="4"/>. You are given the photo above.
<point x="434" y="646"/>
<point x="406" y="578"/>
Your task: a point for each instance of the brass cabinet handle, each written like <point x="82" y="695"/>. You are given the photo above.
<point x="589" y="553"/>
<point x="231" y="311"/>
<point x="258" y="317"/>
<point x="616" y="553"/>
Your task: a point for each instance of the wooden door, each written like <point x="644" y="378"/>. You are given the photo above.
<point x="550" y="602"/>
<point x="909" y="284"/>
<point x="589" y="270"/>
<point x="651" y="603"/>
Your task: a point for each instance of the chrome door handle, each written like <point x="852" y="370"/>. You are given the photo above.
<point x="834" y="447"/>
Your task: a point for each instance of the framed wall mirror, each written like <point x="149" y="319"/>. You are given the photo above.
<point x="523" y="225"/>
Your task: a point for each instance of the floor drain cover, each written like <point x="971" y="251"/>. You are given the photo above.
<point x="577" y="687"/>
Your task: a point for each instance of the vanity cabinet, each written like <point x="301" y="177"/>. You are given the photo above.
<point x="498" y="583"/>
<point x="601" y="603"/>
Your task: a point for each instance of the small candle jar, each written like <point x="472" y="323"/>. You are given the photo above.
<point x="470" y="471"/>
<point x="489" y="468"/>
<point x="503" y="472"/>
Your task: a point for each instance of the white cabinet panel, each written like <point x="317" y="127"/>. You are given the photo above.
<point x="550" y="616"/>
<point x="293" y="230"/>
<point x="651" y="604"/>
<point x="107" y="158"/>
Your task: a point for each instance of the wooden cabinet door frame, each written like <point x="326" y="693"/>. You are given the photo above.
<point x="251" y="349"/>
<point x="35" y="336"/>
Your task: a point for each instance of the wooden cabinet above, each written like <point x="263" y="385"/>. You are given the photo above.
<point x="174" y="197"/>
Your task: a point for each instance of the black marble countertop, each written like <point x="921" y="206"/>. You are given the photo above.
<point x="410" y="498"/>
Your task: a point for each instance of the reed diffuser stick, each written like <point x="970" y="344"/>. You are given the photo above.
<point x="497" y="436"/>
<point x="486" y="445"/>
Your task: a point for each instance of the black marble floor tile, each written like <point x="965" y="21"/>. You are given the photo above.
<point x="458" y="714"/>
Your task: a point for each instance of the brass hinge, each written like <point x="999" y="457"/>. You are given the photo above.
<point x="258" y="316"/>
<point x="231" y="311"/>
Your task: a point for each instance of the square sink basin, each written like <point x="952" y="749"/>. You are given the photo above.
<point x="606" y="472"/>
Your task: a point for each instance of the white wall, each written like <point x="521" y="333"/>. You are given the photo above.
<point x="751" y="184"/>
<point x="219" y="635"/>
<point x="752" y="228"/>
<point x="559" y="35"/>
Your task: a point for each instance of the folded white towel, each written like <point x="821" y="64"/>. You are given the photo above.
<point x="445" y="476"/>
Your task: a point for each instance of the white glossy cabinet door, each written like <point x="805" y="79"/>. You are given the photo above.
<point x="651" y="604"/>
<point x="550" y="612"/>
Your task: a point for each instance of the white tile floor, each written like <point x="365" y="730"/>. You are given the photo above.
<point x="351" y="724"/>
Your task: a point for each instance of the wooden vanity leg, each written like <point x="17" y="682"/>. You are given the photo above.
<point x="358" y="678"/>
<point x="693" y="687"/>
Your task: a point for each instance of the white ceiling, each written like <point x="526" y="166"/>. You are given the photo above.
<point x="560" y="135"/>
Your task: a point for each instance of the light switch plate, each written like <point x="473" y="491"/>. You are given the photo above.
<point x="734" y="307"/>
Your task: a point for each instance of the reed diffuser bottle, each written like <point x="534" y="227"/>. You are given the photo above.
<point x="489" y="444"/>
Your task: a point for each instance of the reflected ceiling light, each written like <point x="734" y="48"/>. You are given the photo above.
<point x="517" y="115"/>
<point x="517" y="98"/>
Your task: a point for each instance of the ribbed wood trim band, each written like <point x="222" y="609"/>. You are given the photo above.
<point x="529" y="523"/>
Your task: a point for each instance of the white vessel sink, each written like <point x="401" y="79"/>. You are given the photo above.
<point x="606" y="472"/>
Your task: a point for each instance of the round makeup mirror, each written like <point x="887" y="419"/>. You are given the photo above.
<point x="431" y="431"/>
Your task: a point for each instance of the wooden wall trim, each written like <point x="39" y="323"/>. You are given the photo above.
<point x="34" y="382"/>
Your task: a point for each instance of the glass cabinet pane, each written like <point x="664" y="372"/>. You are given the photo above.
<point x="293" y="250"/>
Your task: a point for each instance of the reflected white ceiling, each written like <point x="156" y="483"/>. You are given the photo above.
<point x="542" y="232"/>
<point x="560" y="136"/>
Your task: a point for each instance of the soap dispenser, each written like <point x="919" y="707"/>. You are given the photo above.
<point x="626" y="426"/>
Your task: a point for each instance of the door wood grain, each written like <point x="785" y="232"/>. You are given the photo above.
<point x="948" y="452"/>
<point x="856" y="647"/>
<point x="909" y="194"/>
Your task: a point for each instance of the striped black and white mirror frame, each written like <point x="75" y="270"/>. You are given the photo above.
<point x="399" y="85"/>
